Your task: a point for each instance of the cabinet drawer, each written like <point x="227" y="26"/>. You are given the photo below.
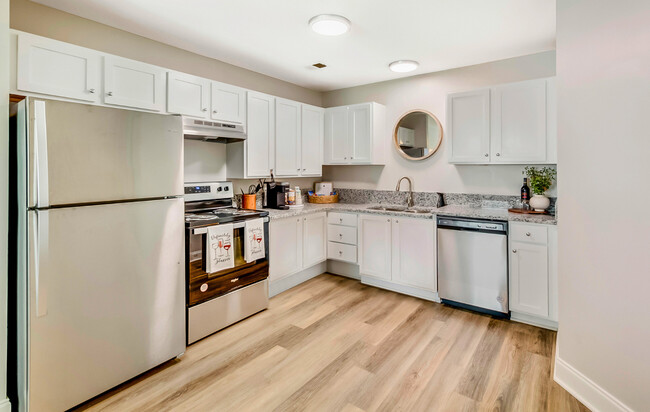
<point x="342" y="234"/>
<point x="340" y="251"/>
<point x="345" y="219"/>
<point x="522" y="232"/>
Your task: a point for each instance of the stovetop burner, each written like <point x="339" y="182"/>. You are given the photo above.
<point x="220" y="216"/>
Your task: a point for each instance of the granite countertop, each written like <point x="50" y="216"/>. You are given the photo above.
<point x="450" y="210"/>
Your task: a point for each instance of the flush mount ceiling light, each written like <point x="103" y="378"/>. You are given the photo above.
<point x="403" y="66"/>
<point x="329" y="24"/>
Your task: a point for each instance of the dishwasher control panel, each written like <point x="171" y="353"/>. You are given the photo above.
<point x="464" y="223"/>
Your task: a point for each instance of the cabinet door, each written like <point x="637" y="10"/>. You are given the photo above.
<point x="312" y="140"/>
<point x="188" y="95"/>
<point x="336" y="135"/>
<point x="468" y="123"/>
<point x="360" y="133"/>
<point x="228" y="103"/>
<point x="375" y="246"/>
<point x="287" y="138"/>
<point x="131" y="83"/>
<point x="413" y="252"/>
<point x="59" y="69"/>
<point x="314" y="239"/>
<point x="529" y="279"/>
<point x="261" y="134"/>
<point x="285" y="247"/>
<point x="518" y="125"/>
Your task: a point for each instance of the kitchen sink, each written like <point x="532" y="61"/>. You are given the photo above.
<point x="398" y="209"/>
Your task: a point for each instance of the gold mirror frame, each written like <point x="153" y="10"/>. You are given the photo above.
<point x="396" y="142"/>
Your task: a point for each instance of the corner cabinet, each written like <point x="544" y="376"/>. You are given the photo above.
<point x="254" y="157"/>
<point x="298" y="139"/>
<point x="507" y="124"/>
<point x="356" y="134"/>
<point x="297" y="243"/>
<point x="533" y="273"/>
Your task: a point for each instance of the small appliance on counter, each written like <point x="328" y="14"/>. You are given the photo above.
<point x="276" y="195"/>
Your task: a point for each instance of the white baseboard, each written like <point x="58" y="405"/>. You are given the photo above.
<point x="346" y="269"/>
<point x="403" y="289"/>
<point x="286" y="283"/>
<point x="585" y="390"/>
<point x="5" y="405"/>
<point x="533" y="320"/>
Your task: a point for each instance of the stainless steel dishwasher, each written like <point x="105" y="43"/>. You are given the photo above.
<point x="473" y="264"/>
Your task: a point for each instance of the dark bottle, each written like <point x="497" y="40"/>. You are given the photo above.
<point x="525" y="191"/>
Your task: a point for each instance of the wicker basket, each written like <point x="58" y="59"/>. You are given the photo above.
<point x="324" y="199"/>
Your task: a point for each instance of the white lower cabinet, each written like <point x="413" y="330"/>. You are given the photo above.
<point x="533" y="272"/>
<point x="375" y="246"/>
<point x="314" y="237"/>
<point x="414" y="253"/>
<point x="399" y="250"/>
<point x="296" y="243"/>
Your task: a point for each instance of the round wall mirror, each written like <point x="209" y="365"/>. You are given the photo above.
<point x="417" y="135"/>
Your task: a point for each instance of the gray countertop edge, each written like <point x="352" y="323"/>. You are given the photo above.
<point x="449" y="210"/>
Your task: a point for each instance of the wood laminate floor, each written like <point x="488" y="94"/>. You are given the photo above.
<point x="332" y="344"/>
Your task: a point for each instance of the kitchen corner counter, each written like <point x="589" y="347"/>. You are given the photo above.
<point x="450" y="210"/>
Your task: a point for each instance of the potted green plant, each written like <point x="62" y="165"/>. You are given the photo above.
<point x="540" y="180"/>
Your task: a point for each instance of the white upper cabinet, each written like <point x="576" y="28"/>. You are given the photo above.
<point x="134" y="84"/>
<point x="375" y="246"/>
<point x="312" y="140"/>
<point x="287" y="137"/>
<point x="58" y="69"/>
<point x="188" y="95"/>
<point x="228" y="103"/>
<point x="518" y="122"/>
<point x="336" y="135"/>
<point x="507" y="124"/>
<point x="356" y="134"/>
<point x="360" y="134"/>
<point x="468" y="124"/>
<point x="413" y="252"/>
<point x="314" y="249"/>
<point x="261" y="135"/>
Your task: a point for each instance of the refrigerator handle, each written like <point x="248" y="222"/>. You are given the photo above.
<point x="40" y="184"/>
<point x="40" y="236"/>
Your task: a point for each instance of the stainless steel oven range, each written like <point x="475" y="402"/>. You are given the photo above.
<point x="217" y="300"/>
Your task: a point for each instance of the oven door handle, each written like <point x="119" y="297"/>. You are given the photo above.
<point x="238" y="225"/>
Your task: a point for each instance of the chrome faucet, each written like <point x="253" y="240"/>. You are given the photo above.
<point x="409" y="198"/>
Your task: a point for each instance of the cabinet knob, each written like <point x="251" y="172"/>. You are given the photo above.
<point x="388" y="220"/>
<point x="498" y="154"/>
<point x="340" y="234"/>
<point x="91" y="91"/>
<point x="109" y="93"/>
<point x="345" y="158"/>
<point x="514" y="250"/>
<point x="397" y="221"/>
<point x="527" y="233"/>
<point x="214" y="111"/>
<point x="351" y="157"/>
<point x="340" y="252"/>
<point x="486" y="155"/>
<point x="340" y="220"/>
<point x="304" y="170"/>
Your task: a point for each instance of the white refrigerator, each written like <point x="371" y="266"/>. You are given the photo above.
<point x="100" y="265"/>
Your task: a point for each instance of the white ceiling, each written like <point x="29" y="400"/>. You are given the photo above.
<point x="273" y="37"/>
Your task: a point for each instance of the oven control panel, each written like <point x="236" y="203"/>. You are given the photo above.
<point x="208" y="191"/>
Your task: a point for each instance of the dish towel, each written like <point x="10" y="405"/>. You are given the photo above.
<point x="254" y="244"/>
<point x="220" y="248"/>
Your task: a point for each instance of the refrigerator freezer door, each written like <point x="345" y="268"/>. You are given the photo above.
<point x="85" y="154"/>
<point x="106" y="297"/>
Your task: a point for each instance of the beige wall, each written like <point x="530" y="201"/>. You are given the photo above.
<point x="48" y="22"/>
<point x="603" y="70"/>
<point x="4" y="143"/>
<point x="429" y="92"/>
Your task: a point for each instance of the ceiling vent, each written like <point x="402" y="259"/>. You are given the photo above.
<point x="319" y="65"/>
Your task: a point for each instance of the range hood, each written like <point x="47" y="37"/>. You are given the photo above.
<point x="213" y="131"/>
